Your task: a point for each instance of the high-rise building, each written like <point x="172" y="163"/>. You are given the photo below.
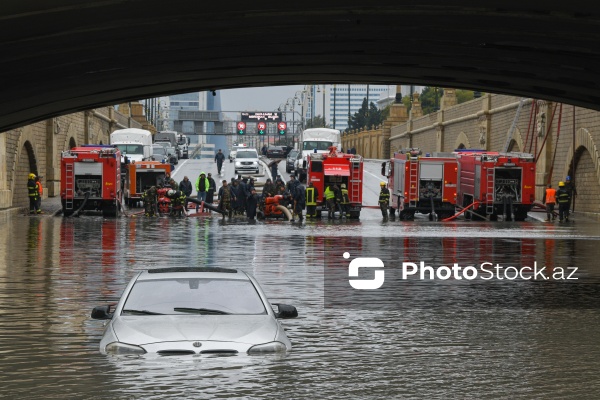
<point x="345" y="100"/>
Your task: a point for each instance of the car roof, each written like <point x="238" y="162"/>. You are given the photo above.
<point x="193" y="272"/>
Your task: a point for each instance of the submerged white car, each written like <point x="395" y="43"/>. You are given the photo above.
<point x="187" y="310"/>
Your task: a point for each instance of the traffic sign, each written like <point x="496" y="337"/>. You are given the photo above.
<point x="262" y="128"/>
<point x="241" y="128"/>
<point x="282" y="127"/>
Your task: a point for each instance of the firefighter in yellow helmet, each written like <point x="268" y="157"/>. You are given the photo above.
<point x="563" y="197"/>
<point x="384" y="200"/>
<point x="33" y="194"/>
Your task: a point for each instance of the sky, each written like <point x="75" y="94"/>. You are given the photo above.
<point x="257" y="99"/>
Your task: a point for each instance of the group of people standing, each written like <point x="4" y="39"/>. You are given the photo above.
<point x="562" y="196"/>
<point x="238" y="197"/>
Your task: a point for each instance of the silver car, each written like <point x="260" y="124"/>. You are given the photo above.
<point x="246" y="160"/>
<point x="187" y="310"/>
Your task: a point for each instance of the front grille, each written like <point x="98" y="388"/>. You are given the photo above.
<point x="247" y="163"/>
<point x="223" y="352"/>
<point x="175" y="352"/>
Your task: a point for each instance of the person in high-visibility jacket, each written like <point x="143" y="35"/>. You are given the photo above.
<point x="345" y="201"/>
<point x="330" y="199"/>
<point x="564" y="201"/>
<point x="384" y="200"/>
<point x="312" y="194"/>
<point x="33" y="194"/>
<point x="550" y="201"/>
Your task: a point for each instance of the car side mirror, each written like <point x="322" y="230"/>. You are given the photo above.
<point x="101" y="312"/>
<point x="286" y="311"/>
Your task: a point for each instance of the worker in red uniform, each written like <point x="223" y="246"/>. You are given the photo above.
<point x="550" y="201"/>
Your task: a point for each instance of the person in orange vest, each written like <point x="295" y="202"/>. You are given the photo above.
<point x="40" y="189"/>
<point x="550" y="201"/>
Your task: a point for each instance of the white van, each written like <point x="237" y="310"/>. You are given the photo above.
<point x="134" y="143"/>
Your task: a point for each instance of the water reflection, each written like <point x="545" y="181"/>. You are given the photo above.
<point x="56" y="270"/>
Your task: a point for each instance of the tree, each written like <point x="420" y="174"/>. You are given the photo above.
<point x="316" y="122"/>
<point x="431" y="99"/>
<point x="367" y="116"/>
<point x="464" y="95"/>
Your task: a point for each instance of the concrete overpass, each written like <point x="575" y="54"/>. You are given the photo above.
<point x="60" y="56"/>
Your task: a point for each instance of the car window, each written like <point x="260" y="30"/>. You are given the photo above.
<point x="159" y="150"/>
<point x="246" y="154"/>
<point x="293" y="154"/>
<point x="163" y="296"/>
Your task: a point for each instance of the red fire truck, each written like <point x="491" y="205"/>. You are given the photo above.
<point x="336" y="168"/>
<point x="141" y="176"/>
<point x="418" y="184"/>
<point x="91" y="179"/>
<point x="498" y="184"/>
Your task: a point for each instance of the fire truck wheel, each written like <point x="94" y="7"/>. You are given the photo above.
<point x="520" y="215"/>
<point x="407" y="215"/>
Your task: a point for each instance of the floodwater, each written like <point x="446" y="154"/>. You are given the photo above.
<point x="56" y="270"/>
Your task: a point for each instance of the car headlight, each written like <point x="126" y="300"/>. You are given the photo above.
<point x="271" y="347"/>
<point x="237" y="163"/>
<point x="123" y="348"/>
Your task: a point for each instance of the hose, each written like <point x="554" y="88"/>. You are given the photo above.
<point x="286" y="211"/>
<point x="85" y="199"/>
<point x="460" y="212"/>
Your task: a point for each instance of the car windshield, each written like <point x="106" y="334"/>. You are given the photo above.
<point x="131" y="148"/>
<point x="246" y="154"/>
<point x="193" y="296"/>
<point x="275" y="148"/>
<point x="159" y="150"/>
<point x="311" y="145"/>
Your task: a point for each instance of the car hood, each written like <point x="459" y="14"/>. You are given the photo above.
<point x="160" y="328"/>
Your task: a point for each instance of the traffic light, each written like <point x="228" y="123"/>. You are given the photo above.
<point x="282" y="128"/>
<point x="241" y="128"/>
<point x="262" y="128"/>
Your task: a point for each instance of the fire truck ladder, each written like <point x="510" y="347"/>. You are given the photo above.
<point x="489" y="205"/>
<point x="69" y="186"/>
<point x="413" y="181"/>
<point x="355" y="183"/>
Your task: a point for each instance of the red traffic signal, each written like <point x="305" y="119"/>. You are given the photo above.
<point x="282" y="128"/>
<point x="241" y="128"/>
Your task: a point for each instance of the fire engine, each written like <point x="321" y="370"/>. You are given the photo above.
<point x="141" y="176"/>
<point x="336" y="168"/>
<point x="91" y="179"/>
<point x="418" y="184"/>
<point x="496" y="183"/>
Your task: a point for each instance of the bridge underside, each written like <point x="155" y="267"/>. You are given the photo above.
<point x="60" y="56"/>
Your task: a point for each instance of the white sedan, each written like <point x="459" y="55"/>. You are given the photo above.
<point x="189" y="310"/>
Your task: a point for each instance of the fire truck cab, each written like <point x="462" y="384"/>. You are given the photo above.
<point x="337" y="168"/>
<point x="91" y="179"/>
<point x="418" y="184"/>
<point x="497" y="184"/>
<point x="141" y="176"/>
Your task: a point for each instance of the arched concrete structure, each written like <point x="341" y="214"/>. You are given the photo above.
<point x="516" y="143"/>
<point x="463" y="140"/>
<point x="61" y="56"/>
<point x="584" y="146"/>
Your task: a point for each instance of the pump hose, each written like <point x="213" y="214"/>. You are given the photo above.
<point x="87" y="196"/>
<point x="460" y="212"/>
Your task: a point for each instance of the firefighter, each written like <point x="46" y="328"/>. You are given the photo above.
<point x="251" y="199"/>
<point x="33" y="194"/>
<point x="570" y="188"/>
<point x="330" y="200"/>
<point x="225" y="198"/>
<point x="312" y="194"/>
<point x="384" y="200"/>
<point x="564" y="202"/>
<point x="345" y="203"/>
<point x="150" y="199"/>
<point x="550" y="201"/>
<point x="40" y="190"/>
<point x="178" y="199"/>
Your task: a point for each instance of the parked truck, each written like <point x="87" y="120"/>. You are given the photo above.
<point x="316" y="140"/>
<point x="141" y="176"/>
<point x="91" y="180"/>
<point x="184" y="145"/>
<point x="169" y="137"/>
<point x="135" y="144"/>
<point x="418" y="184"/>
<point x="496" y="184"/>
<point x="336" y="168"/>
